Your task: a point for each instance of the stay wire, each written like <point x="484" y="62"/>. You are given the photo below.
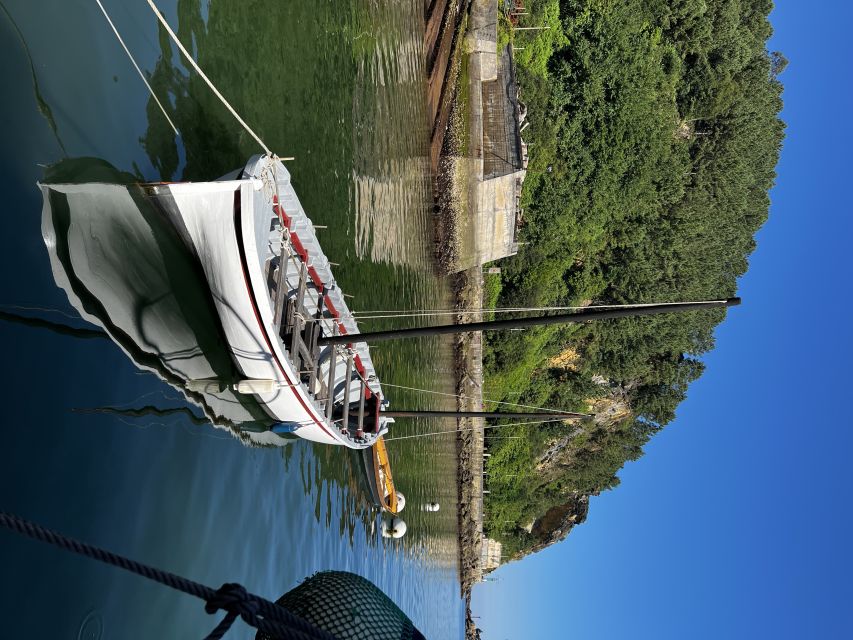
<point x="484" y="427"/>
<point x="464" y="397"/>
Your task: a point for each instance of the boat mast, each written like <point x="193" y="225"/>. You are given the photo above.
<point x="563" y="318"/>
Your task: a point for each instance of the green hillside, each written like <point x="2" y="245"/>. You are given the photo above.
<point x="654" y="135"/>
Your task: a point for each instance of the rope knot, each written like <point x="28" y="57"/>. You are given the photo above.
<point x="233" y="598"/>
<point x="235" y="601"/>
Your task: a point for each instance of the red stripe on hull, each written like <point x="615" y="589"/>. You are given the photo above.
<point x="238" y="229"/>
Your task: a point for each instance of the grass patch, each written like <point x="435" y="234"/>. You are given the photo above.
<point x="463" y="104"/>
<point x="491" y="292"/>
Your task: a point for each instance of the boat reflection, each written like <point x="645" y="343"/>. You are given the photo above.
<point x="125" y="270"/>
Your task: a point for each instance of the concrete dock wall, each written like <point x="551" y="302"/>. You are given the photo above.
<point x="497" y="163"/>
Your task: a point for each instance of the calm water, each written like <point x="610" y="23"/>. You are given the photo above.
<point x="339" y="86"/>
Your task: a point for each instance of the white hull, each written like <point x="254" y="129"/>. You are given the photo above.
<point x="235" y="230"/>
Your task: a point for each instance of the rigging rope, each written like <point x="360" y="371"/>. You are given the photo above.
<point x="484" y="427"/>
<point x="232" y="598"/>
<point x="463" y="397"/>
<point x="204" y="77"/>
<point x="194" y="65"/>
<point x="138" y="70"/>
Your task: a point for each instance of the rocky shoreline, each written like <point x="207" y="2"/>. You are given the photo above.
<point x="468" y="356"/>
<point x="452" y="192"/>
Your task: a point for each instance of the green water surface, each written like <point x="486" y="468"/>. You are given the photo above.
<point x="337" y="85"/>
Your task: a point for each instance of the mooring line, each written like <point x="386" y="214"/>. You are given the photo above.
<point x="205" y="78"/>
<point x="138" y="70"/>
<point x="234" y="599"/>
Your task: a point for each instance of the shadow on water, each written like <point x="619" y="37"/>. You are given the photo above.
<point x="56" y="327"/>
<point x="149" y="410"/>
<point x="124" y="268"/>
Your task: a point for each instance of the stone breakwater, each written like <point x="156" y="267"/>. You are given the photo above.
<point x="453" y="190"/>
<point x="468" y="353"/>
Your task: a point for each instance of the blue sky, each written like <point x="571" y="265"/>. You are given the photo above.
<point x="736" y="523"/>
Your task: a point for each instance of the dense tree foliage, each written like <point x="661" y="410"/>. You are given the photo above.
<point x="655" y="133"/>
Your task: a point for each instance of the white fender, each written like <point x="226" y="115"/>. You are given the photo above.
<point x="258" y="387"/>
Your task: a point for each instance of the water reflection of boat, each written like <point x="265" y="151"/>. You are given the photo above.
<point x="124" y="269"/>
<point x="377" y="467"/>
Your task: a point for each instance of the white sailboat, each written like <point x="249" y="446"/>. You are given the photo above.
<point x="119" y="251"/>
<point x="275" y="295"/>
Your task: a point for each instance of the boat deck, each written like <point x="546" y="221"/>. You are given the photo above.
<point x="308" y="304"/>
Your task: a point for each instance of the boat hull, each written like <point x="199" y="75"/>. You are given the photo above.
<point x="237" y="228"/>
<point x="377" y="468"/>
<point x="214" y="217"/>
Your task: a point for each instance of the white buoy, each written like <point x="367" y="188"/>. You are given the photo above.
<point x="401" y="501"/>
<point x="397" y="528"/>
<point x="430" y="506"/>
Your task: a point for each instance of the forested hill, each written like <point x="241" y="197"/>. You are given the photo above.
<point x="654" y="135"/>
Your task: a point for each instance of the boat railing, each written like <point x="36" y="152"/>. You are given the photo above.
<point x="303" y="314"/>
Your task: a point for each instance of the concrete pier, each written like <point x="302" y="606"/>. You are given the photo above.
<point x="499" y="153"/>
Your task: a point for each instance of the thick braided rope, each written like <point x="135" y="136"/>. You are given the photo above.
<point x="233" y="598"/>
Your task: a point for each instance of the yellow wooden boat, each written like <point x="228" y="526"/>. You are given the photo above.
<point x="378" y="470"/>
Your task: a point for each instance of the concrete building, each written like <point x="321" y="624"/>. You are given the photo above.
<point x="500" y="155"/>
<point x="490" y="555"/>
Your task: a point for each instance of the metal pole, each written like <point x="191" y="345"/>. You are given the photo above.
<point x="347" y="382"/>
<point x="564" y="318"/>
<point x="330" y="389"/>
